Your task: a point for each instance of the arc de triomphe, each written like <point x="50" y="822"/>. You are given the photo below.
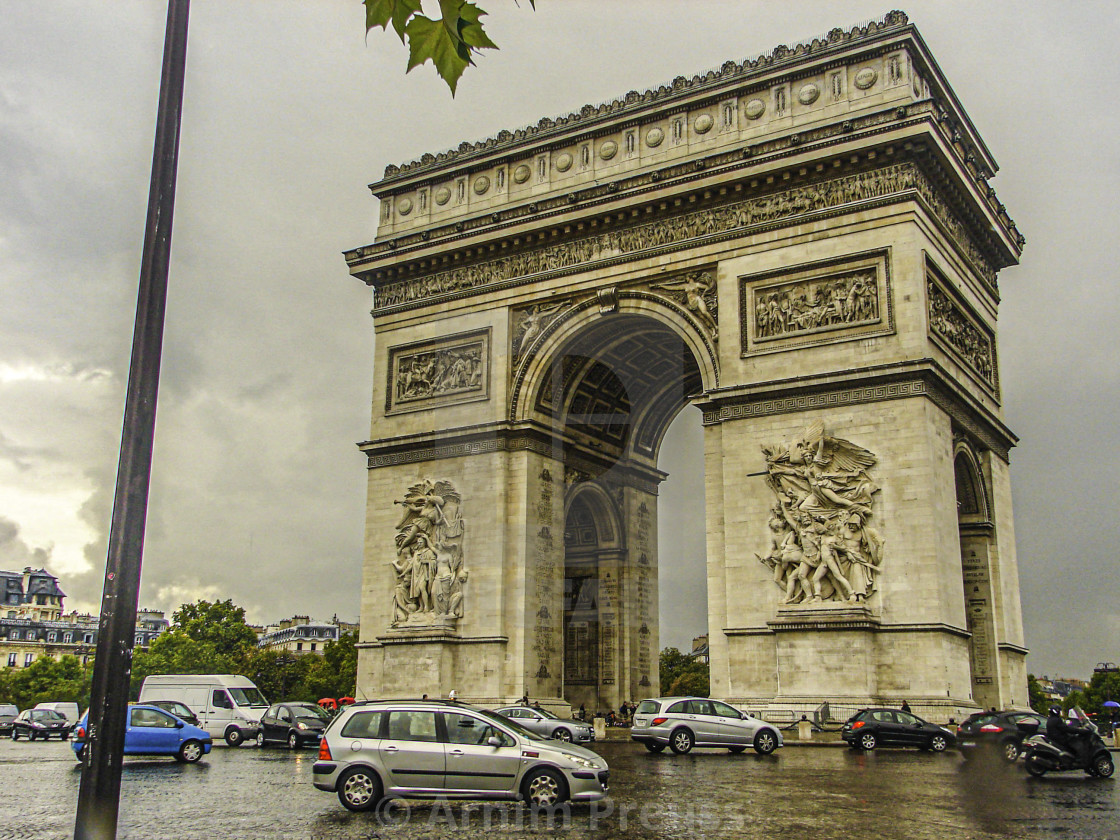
<point x="805" y="245"/>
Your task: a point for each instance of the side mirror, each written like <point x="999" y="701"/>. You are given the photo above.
<point x="494" y="741"/>
<point x="179" y="724"/>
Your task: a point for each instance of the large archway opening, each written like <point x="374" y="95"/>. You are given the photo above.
<point x="613" y="388"/>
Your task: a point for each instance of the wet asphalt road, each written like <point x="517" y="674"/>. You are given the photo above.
<point x="801" y="792"/>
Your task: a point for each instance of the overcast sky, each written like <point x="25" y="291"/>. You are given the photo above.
<point x="258" y="490"/>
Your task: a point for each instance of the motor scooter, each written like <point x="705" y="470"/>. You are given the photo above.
<point x="1087" y="752"/>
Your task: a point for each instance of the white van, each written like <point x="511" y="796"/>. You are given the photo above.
<point x="227" y="705"/>
<point x="67" y="710"/>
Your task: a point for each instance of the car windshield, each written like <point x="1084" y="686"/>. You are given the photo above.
<point x="512" y="725"/>
<point x="647" y="707"/>
<point x="247" y="697"/>
<point x="308" y="710"/>
<point x="8" y="709"/>
<point x="546" y="713"/>
<point x="45" y="714"/>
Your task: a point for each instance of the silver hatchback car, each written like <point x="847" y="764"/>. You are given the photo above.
<point x="380" y="750"/>
<point x="548" y="725"/>
<point x="681" y="723"/>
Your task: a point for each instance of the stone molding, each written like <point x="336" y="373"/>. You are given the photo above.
<point x="872" y="623"/>
<point x="921" y="378"/>
<point x="413" y="638"/>
<point x="490" y="438"/>
<point x="886" y="185"/>
<point x="633" y="101"/>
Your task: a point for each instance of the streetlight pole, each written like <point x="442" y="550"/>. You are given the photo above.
<point x="99" y="793"/>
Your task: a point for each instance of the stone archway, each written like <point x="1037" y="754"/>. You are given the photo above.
<point x="806" y="247"/>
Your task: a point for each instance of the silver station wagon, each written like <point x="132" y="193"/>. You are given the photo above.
<point x="380" y="750"/>
<point x="681" y="723"/>
<point x="548" y="725"/>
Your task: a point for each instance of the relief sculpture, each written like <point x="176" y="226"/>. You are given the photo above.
<point x="950" y="324"/>
<point x="698" y="294"/>
<point x="530" y="323"/>
<point x="822" y="547"/>
<point x="440" y="372"/>
<point x="429" y="563"/>
<point x="818" y="304"/>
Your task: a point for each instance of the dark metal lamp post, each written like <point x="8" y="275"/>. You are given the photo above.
<point x="99" y="793"/>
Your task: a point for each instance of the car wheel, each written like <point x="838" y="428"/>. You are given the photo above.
<point x="81" y="754"/>
<point x="938" y="743"/>
<point x="868" y="741"/>
<point x="1103" y="766"/>
<point x="681" y="741"/>
<point x="561" y="734"/>
<point x="765" y="742"/>
<point x="260" y="739"/>
<point x="359" y="789"/>
<point x="31" y="736"/>
<point x="1009" y="751"/>
<point x="543" y="788"/>
<point x="293" y="741"/>
<point x="736" y="750"/>
<point x="1034" y="766"/>
<point x="654" y="748"/>
<point x="190" y="752"/>
<point x="235" y="737"/>
<point x="15" y="735"/>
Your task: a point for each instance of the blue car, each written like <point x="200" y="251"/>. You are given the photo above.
<point x="152" y="731"/>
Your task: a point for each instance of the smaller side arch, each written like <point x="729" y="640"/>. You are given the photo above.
<point x="972" y="496"/>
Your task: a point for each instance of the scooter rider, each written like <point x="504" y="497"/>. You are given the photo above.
<point x="1065" y="735"/>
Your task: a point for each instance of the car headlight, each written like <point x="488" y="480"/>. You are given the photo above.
<point x="582" y="762"/>
<point x="301" y="726"/>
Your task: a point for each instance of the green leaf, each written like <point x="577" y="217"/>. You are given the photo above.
<point x="430" y="40"/>
<point x="470" y="28"/>
<point x="382" y="12"/>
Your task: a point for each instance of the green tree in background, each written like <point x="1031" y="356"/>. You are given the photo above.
<point x="682" y="674"/>
<point x="47" y="679"/>
<point x="221" y="623"/>
<point x="1036" y="696"/>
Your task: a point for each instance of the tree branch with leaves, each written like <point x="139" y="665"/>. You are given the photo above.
<point x="450" y="42"/>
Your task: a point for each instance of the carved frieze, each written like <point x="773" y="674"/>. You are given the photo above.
<point x="960" y="332"/>
<point x="760" y="210"/>
<point x="822" y="546"/>
<point x="833" y="300"/>
<point x="429" y="568"/>
<point x="430" y="374"/>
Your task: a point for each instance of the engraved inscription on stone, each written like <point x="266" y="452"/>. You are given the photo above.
<point x="434" y="373"/>
<point x="429" y="562"/>
<point x="816" y="305"/>
<point x="968" y="341"/>
<point x="821" y="545"/>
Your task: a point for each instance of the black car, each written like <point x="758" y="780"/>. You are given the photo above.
<point x="871" y="728"/>
<point x="8" y="714"/>
<point x="999" y="733"/>
<point x="294" y="724"/>
<point x="40" y="723"/>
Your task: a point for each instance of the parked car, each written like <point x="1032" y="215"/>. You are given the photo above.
<point x="681" y="723"/>
<point x="871" y="728"/>
<point x="180" y="710"/>
<point x="68" y="709"/>
<point x="294" y="724"/>
<point x="153" y="731"/>
<point x="375" y="750"/>
<point x="8" y="714"/>
<point x="545" y="723"/>
<point x="999" y="733"/>
<point x="40" y="723"/>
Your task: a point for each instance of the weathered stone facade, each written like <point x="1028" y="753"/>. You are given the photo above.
<point x="805" y="246"/>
